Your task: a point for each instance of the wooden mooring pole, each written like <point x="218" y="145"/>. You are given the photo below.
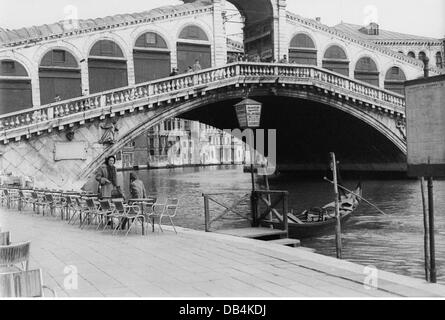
<point x="425" y="232"/>
<point x="206" y="213"/>
<point x="338" y="244"/>
<point x="431" y="227"/>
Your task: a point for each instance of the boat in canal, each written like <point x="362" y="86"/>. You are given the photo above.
<point x="319" y="221"/>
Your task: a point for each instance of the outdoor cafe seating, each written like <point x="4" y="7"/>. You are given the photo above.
<point x="88" y="210"/>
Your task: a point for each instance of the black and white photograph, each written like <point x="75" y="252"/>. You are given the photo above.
<point x="205" y="151"/>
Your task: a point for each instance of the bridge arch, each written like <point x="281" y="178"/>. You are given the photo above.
<point x="336" y="58"/>
<point x="303" y="48"/>
<point x="255" y="10"/>
<point x="209" y="99"/>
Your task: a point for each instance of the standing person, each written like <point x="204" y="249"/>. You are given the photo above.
<point x="106" y="176"/>
<point x="137" y="191"/>
<point x="137" y="188"/>
<point x="189" y="69"/>
<point x="174" y="72"/>
<point x="284" y="60"/>
<point x="197" y="66"/>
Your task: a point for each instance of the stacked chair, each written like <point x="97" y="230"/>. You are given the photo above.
<point x="16" y="280"/>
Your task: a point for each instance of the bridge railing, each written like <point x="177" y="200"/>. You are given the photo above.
<point x="77" y="109"/>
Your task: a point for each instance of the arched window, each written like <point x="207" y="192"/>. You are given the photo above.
<point x="193" y="45"/>
<point x="439" y="60"/>
<point x="59" y="77"/>
<point x="107" y="67"/>
<point x="335" y="59"/>
<point x="366" y="70"/>
<point x="422" y="56"/>
<point x="193" y="33"/>
<point x="302" y="50"/>
<point x="394" y="80"/>
<point x="151" y="58"/>
<point x="411" y="54"/>
<point x="15" y="87"/>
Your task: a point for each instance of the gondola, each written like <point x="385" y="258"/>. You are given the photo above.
<point x="320" y="220"/>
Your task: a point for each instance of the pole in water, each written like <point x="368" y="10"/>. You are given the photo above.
<point x="431" y="223"/>
<point x="338" y="244"/>
<point x="425" y="232"/>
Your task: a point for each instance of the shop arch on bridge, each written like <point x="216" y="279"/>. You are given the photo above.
<point x="15" y="87"/>
<point x="107" y="66"/>
<point x="193" y="44"/>
<point x="302" y="50"/>
<point x="395" y="80"/>
<point x="366" y="70"/>
<point x="151" y="56"/>
<point x="59" y="76"/>
<point x="336" y="60"/>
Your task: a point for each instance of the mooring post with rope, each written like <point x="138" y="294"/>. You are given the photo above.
<point x="338" y="244"/>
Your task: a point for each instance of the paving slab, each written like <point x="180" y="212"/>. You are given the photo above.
<point x="191" y="264"/>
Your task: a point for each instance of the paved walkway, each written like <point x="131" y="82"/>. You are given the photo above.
<point x="190" y="264"/>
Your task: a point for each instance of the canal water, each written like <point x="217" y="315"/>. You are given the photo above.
<point x="392" y="243"/>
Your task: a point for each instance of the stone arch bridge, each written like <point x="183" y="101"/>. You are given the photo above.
<point x="62" y="144"/>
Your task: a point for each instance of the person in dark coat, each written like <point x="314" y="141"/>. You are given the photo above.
<point x="137" y="188"/>
<point x="106" y="176"/>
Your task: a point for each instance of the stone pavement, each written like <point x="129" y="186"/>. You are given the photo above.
<point x="190" y="264"/>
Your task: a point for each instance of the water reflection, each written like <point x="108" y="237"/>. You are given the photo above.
<point x="392" y="243"/>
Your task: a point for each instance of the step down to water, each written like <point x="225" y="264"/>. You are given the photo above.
<point x="255" y="233"/>
<point x="307" y="249"/>
<point x="286" y="242"/>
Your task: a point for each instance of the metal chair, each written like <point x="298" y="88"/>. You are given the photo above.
<point x="37" y="200"/>
<point x="10" y="197"/>
<point x="104" y="214"/>
<point x="156" y="211"/>
<point x="15" y="254"/>
<point x="91" y="212"/>
<point x="76" y="207"/>
<point x="23" y="284"/>
<point x="170" y="211"/>
<point x="128" y="212"/>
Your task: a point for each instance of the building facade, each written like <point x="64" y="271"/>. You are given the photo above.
<point x="178" y="142"/>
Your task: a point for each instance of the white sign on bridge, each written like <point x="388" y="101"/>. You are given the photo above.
<point x="425" y="115"/>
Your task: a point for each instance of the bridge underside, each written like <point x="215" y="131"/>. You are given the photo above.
<point x="308" y="131"/>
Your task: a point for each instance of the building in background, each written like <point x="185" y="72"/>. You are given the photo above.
<point x="411" y="45"/>
<point x="177" y="142"/>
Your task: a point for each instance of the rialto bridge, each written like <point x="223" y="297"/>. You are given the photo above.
<point x="66" y="88"/>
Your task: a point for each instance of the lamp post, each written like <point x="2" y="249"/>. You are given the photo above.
<point x="248" y="112"/>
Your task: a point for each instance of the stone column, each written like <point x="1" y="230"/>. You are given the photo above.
<point x="130" y="68"/>
<point x="219" y="57"/>
<point x="84" y="74"/>
<point x="281" y="45"/>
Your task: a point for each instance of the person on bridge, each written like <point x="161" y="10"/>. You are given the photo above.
<point x="174" y="72"/>
<point x="106" y="176"/>
<point x="284" y="60"/>
<point x="197" y="66"/>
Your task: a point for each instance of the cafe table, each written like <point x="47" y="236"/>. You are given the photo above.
<point x="142" y="202"/>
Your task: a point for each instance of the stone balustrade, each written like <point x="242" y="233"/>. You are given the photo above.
<point x="14" y="125"/>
